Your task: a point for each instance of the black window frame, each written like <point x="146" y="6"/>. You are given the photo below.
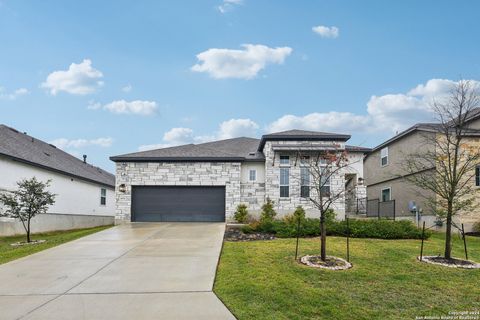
<point x="103" y="196"/>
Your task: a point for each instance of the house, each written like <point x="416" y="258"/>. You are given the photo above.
<point x="385" y="178"/>
<point x="206" y="182"/>
<point x="84" y="193"/>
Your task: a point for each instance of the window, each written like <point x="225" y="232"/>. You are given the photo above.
<point x="252" y="175"/>
<point x="284" y="182"/>
<point x="284" y="160"/>
<point x="325" y="186"/>
<point x="103" y="196"/>
<point x="386" y="195"/>
<point x="384" y="156"/>
<point x="477" y="176"/>
<point x="304" y="183"/>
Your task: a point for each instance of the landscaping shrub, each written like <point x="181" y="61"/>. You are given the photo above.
<point x="298" y="214"/>
<point x="268" y="213"/>
<point x="476" y="227"/>
<point x="380" y="229"/>
<point x="241" y="215"/>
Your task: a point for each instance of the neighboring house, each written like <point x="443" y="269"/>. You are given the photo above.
<point x="206" y="182"/>
<point x="84" y="193"/>
<point x="384" y="174"/>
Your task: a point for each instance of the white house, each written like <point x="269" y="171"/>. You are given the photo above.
<point x="206" y="182"/>
<point x="84" y="193"/>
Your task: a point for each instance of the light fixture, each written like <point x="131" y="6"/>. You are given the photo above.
<point x="122" y="188"/>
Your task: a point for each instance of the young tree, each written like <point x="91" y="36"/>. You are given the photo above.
<point x="317" y="173"/>
<point x="31" y="198"/>
<point x="446" y="164"/>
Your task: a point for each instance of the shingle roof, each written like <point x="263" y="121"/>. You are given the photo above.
<point x="236" y="149"/>
<point x="357" y="149"/>
<point x="431" y="127"/>
<point x="24" y="148"/>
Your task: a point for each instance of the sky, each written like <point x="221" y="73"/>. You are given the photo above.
<point x="104" y="78"/>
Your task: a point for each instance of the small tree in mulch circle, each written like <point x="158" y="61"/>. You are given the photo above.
<point x="31" y="198"/>
<point x="241" y="215"/>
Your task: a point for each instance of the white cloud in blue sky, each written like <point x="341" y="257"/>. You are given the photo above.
<point x="80" y="79"/>
<point x="14" y="94"/>
<point x="239" y="64"/>
<point x="228" y="5"/>
<point x="327" y="32"/>
<point x="139" y="107"/>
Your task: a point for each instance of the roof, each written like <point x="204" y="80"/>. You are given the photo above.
<point x="24" y="148"/>
<point x="301" y="135"/>
<point x="236" y="149"/>
<point x="357" y="149"/>
<point x="431" y="127"/>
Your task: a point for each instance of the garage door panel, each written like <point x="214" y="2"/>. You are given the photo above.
<point x="178" y="203"/>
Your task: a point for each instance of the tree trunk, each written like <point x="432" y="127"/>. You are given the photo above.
<point x="28" y="230"/>
<point x="323" y="238"/>
<point x="448" y="233"/>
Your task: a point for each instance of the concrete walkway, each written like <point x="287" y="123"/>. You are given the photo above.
<point x="136" y="271"/>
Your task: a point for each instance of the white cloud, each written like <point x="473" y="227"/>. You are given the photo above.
<point x="92" y="105"/>
<point x="127" y="88"/>
<point x="80" y="79"/>
<point x="12" y="95"/>
<point x="328" y="122"/>
<point x="326" y="32"/>
<point x="236" y="128"/>
<point x="228" y="129"/>
<point x="385" y="113"/>
<point x="240" y="64"/>
<point x="139" y="107"/>
<point x="178" y="136"/>
<point x="64" y="143"/>
<point x="228" y="5"/>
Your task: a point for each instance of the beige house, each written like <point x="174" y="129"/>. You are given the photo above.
<point x="385" y="179"/>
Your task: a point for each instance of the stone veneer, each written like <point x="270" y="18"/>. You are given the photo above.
<point x="227" y="174"/>
<point x="272" y="180"/>
<point x="176" y="174"/>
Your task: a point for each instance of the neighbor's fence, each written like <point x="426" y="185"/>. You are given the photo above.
<point x="356" y="206"/>
<point x="380" y="209"/>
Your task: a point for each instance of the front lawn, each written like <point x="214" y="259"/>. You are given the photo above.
<point x="9" y="253"/>
<point x="261" y="280"/>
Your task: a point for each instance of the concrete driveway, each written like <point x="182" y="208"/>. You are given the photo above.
<point x="134" y="271"/>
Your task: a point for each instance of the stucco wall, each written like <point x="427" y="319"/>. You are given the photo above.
<point x="177" y="173"/>
<point x="74" y="196"/>
<point x="374" y="172"/>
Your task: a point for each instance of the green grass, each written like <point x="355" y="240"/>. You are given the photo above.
<point x="261" y="280"/>
<point x="9" y="253"/>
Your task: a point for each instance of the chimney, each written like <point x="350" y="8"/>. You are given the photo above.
<point x="84" y="158"/>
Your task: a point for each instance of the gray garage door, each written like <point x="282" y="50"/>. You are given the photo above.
<point x="178" y="203"/>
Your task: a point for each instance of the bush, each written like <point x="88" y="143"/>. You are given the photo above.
<point x="241" y="215"/>
<point x="476" y="227"/>
<point x="380" y="229"/>
<point x="268" y="213"/>
<point x="298" y="214"/>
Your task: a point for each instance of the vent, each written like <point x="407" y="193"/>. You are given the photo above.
<point x="47" y="154"/>
<point x="252" y="153"/>
<point x="53" y="146"/>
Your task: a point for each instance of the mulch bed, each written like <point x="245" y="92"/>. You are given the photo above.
<point x="330" y="263"/>
<point x="33" y="242"/>
<point x="236" y="234"/>
<point x="473" y="234"/>
<point x="452" y="263"/>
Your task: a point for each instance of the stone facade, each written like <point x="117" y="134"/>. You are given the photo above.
<point x="272" y="179"/>
<point x="234" y="176"/>
<point x="176" y="174"/>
